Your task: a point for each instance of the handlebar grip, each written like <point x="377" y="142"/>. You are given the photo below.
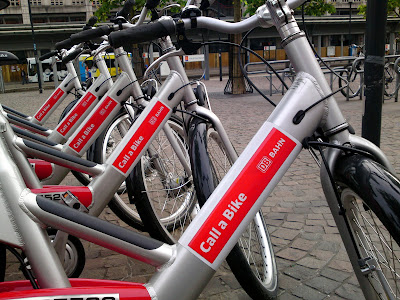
<point x="65" y="44"/>
<point x="90" y="34"/>
<point x="151" y="4"/>
<point x="126" y="9"/>
<point x="142" y="33"/>
<point x="90" y="23"/>
<point x="48" y="55"/>
<point x="72" y="55"/>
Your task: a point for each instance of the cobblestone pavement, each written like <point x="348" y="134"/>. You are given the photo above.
<point x="311" y="259"/>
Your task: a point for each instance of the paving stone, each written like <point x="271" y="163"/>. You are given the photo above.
<point x="303" y="244"/>
<point x="293" y="225"/>
<point x="278" y="241"/>
<point x="351" y="292"/>
<point x="328" y="246"/>
<point x="282" y="209"/>
<point x="335" y="274"/>
<point x="331" y="223"/>
<point x="311" y="262"/>
<point x="353" y="280"/>
<point x="287" y="296"/>
<point x="341" y="265"/>
<point x="276" y="216"/>
<point x="316" y="222"/>
<point x="315" y="217"/>
<point x="287" y="282"/>
<point x="311" y="236"/>
<point x="291" y="254"/>
<point x="314" y="229"/>
<point x="300" y="272"/>
<point x="322" y="254"/>
<point x="330" y="230"/>
<point x="272" y="222"/>
<point x="324" y="285"/>
<point x="285" y="233"/>
<point x="283" y="263"/>
<point x="295" y="218"/>
<point x="308" y="293"/>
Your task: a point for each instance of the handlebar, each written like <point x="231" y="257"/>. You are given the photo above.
<point x="83" y="36"/>
<point x="126" y="9"/>
<point x="48" y="55"/>
<point x="72" y="55"/>
<point x="142" y="33"/>
<point x="90" y="23"/>
<point x="167" y="26"/>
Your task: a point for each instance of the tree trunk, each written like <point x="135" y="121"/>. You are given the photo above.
<point x="137" y="61"/>
<point x="235" y="74"/>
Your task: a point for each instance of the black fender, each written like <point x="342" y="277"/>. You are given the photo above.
<point x="203" y="177"/>
<point x="375" y="185"/>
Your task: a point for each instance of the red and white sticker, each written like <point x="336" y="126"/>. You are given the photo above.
<point x="241" y="196"/>
<point x="71" y="119"/>
<point x="43" y="169"/>
<point x="98" y="117"/>
<point x="141" y="137"/>
<point x="44" y="110"/>
<point x="55" y="192"/>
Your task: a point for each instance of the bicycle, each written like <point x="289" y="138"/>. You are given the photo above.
<point x="267" y="158"/>
<point x="352" y="74"/>
<point x="118" y="86"/>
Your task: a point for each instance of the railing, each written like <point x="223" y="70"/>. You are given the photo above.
<point x="337" y="64"/>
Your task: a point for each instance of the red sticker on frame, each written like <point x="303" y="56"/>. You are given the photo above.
<point x="241" y="196"/>
<point x="145" y="131"/>
<point x="75" y="114"/>
<point x="44" y="110"/>
<point x="87" y="131"/>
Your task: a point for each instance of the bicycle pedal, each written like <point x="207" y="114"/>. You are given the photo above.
<point x="69" y="199"/>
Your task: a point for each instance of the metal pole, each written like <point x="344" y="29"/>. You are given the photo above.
<point x="34" y="48"/>
<point x="350" y="13"/>
<point x="374" y="65"/>
<point x="2" y="89"/>
<point x="219" y="46"/>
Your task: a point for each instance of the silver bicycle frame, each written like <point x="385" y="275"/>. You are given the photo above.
<point x="242" y="192"/>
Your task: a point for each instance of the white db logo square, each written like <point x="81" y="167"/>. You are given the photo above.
<point x="153" y="120"/>
<point x="264" y="164"/>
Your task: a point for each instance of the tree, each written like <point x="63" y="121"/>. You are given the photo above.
<point x="314" y="7"/>
<point x="108" y="5"/>
<point x="103" y="13"/>
<point x="393" y="8"/>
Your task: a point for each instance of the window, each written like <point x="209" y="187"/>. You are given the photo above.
<point x="14" y="3"/>
<point x="56" y="2"/>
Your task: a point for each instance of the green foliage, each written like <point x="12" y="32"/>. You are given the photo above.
<point x="393" y="8"/>
<point x="314" y="7"/>
<point x="103" y="11"/>
<point x="319" y="8"/>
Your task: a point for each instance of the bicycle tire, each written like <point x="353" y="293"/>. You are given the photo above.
<point x="163" y="191"/>
<point x="121" y="205"/>
<point x="352" y="79"/>
<point x="370" y="197"/>
<point x="390" y="80"/>
<point x="252" y="259"/>
<point x="75" y="257"/>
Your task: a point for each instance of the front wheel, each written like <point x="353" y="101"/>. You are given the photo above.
<point x="370" y="198"/>
<point x="252" y="259"/>
<point x="351" y="78"/>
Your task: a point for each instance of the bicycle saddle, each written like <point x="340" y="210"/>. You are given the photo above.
<point x="7" y="58"/>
